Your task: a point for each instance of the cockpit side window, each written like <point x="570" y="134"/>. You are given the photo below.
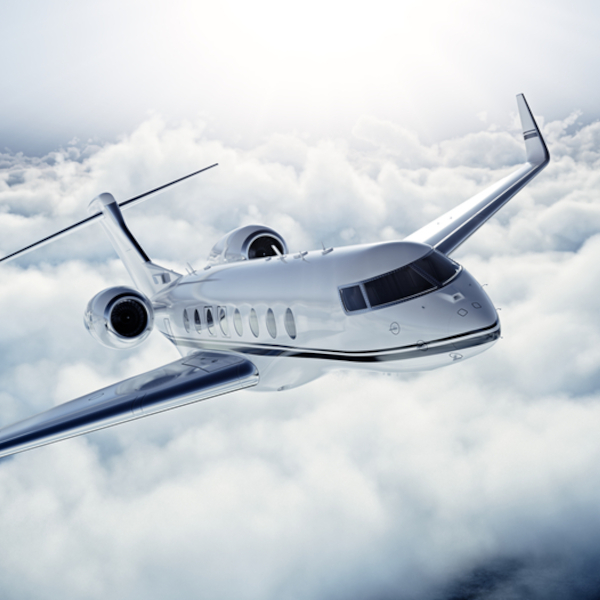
<point x="353" y="298"/>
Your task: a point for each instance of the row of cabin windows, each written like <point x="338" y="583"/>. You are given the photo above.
<point x="223" y="323"/>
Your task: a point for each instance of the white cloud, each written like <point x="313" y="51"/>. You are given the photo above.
<point x="355" y="485"/>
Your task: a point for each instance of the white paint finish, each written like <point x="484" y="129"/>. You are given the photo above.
<point x="321" y="320"/>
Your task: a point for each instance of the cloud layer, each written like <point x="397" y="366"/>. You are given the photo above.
<point x="479" y="477"/>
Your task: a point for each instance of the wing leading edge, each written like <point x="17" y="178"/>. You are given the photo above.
<point x="450" y="230"/>
<point x="196" y="377"/>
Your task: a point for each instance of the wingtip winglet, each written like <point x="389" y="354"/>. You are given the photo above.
<point x="449" y="231"/>
<point x="535" y="146"/>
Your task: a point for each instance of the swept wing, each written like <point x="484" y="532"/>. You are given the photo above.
<point x="200" y="376"/>
<point x="450" y="230"/>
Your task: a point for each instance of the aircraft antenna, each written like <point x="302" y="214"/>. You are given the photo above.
<point x="325" y="250"/>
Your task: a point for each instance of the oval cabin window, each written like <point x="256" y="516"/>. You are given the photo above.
<point x="290" y="323"/>
<point x="253" y="319"/>
<point x="237" y="322"/>
<point x="210" y="323"/>
<point x="223" y="324"/>
<point x="271" y="325"/>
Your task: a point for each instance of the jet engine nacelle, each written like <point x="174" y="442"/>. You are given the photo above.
<point x="246" y="243"/>
<point x="119" y="317"/>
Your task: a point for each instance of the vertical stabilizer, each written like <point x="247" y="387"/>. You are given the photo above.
<point x="147" y="277"/>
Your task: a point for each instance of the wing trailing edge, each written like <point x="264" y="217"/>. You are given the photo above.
<point x="196" y="377"/>
<point x="449" y="231"/>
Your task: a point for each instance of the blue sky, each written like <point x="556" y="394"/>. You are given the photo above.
<point x="331" y="123"/>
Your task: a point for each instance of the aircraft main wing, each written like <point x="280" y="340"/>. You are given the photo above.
<point x="200" y="376"/>
<point x="450" y="230"/>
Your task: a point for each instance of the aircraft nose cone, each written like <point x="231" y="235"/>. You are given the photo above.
<point x="473" y="316"/>
<point x="472" y="310"/>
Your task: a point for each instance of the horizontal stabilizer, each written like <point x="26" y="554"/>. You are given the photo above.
<point x="196" y="377"/>
<point x="449" y="231"/>
<point x="91" y="219"/>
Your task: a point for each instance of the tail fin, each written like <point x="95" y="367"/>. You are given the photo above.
<point x="91" y="219"/>
<point x="148" y="277"/>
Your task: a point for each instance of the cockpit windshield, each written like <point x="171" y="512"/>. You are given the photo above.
<point x="420" y="277"/>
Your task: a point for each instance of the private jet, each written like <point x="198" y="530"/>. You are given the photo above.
<point x="260" y="317"/>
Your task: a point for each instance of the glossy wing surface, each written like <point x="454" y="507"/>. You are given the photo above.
<point x="450" y="230"/>
<point x="197" y="377"/>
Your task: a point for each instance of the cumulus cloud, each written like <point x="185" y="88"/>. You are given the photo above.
<point x="478" y="478"/>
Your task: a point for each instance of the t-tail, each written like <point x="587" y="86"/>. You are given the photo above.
<point x="148" y="277"/>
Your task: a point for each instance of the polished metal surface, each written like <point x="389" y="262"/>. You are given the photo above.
<point x="234" y="246"/>
<point x="197" y="377"/>
<point x="97" y="317"/>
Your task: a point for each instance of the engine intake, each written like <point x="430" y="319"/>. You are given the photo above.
<point x="119" y="317"/>
<point x="247" y="243"/>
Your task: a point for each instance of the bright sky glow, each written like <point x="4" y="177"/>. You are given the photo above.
<point x="95" y="69"/>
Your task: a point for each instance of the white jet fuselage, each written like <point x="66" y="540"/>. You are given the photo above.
<point x="287" y="315"/>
